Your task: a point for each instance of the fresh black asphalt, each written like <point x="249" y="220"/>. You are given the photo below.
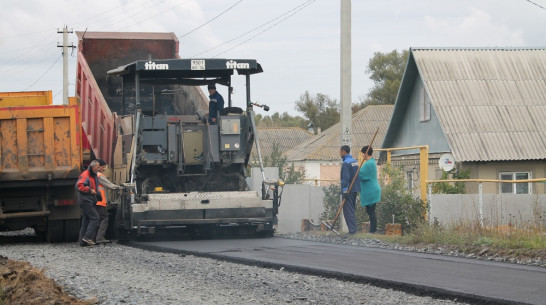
<point x="472" y="280"/>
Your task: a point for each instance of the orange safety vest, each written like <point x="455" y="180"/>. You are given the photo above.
<point x="102" y="192"/>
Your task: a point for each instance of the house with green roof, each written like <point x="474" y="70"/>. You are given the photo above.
<point x="486" y="107"/>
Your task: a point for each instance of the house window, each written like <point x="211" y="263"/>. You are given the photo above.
<point x="425" y="107"/>
<point x="515" y="188"/>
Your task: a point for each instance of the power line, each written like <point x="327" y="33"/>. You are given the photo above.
<point x="44" y="73"/>
<point x="103" y="14"/>
<point x="254" y="29"/>
<point x="143" y="9"/>
<point x="26" y="34"/>
<point x="210" y="20"/>
<point x="59" y="92"/>
<point x="152" y="16"/>
<point x="289" y="14"/>
<point x="52" y="29"/>
<point x="542" y="7"/>
<point x="12" y="68"/>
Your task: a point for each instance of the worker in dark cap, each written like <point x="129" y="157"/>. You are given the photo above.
<point x="216" y="104"/>
<point x="349" y="169"/>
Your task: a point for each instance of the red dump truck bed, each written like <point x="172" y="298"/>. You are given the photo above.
<point x="99" y="52"/>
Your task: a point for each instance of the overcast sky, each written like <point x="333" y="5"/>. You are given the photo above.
<point x="296" y="41"/>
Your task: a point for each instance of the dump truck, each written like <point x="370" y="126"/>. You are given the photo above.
<point x="40" y="160"/>
<point x="144" y="113"/>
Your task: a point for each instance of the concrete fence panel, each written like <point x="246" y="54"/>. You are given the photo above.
<point x="496" y="209"/>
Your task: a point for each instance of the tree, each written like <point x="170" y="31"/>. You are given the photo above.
<point x="280" y="120"/>
<point x="287" y="173"/>
<point x="448" y="188"/>
<point x="397" y="200"/>
<point x="386" y="71"/>
<point x="320" y="110"/>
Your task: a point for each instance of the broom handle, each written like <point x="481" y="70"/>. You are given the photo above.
<point x="353" y="181"/>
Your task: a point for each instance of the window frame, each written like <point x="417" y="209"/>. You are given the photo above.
<point x="514" y="186"/>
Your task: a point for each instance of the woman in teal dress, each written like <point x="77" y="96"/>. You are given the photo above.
<point x="370" y="191"/>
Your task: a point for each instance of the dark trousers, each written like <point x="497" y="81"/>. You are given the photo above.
<point x="103" y="221"/>
<point x="90" y="220"/>
<point x="370" y="209"/>
<point x="349" y="212"/>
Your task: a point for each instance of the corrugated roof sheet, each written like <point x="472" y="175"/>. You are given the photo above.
<point x="325" y="147"/>
<point x="490" y="102"/>
<point x="285" y="137"/>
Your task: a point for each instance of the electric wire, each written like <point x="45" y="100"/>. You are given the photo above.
<point x="144" y="9"/>
<point x="252" y="30"/>
<point x="210" y="20"/>
<point x="52" y="29"/>
<point x="152" y="16"/>
<point x="57" y="93"/>
<point x="44" y="73"/>
<point x="542" y="7"/>
<point x="26" y="34"/>
<point x="267" y="29"/>
<point x="26" y="61"/>
<point x="104" y="15"/>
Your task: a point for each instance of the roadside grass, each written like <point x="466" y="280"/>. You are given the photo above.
<point x="470" y="236"/>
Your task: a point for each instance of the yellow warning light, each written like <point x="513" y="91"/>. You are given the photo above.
<point x="158" y="189"/>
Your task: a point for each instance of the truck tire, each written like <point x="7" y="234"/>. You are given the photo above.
<point x="71" y="230"/>
<point x="55" y="231"/>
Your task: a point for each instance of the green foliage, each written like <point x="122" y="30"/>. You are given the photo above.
<point x="287" y="173"/>
<point x="331" y="202"/>
<point x="280" y="120"/>
<point x="292" y="175"/>
<point x="320" y="110"/>
<point x="386" y="71"/>
<point x="398" y="200"/>
<point x="449" y="188"/>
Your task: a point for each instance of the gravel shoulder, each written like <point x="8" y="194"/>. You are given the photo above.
<point x="117" y="274"/>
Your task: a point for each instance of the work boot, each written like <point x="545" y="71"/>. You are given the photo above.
<point x="89" y="242"/>
<point x="103" y="241"/>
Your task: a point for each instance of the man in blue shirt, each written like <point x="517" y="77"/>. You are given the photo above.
<point x="216" y="104"/>
<point x="349" y="169"/>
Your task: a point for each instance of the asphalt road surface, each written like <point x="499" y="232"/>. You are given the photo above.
<point x="469" y="279"/>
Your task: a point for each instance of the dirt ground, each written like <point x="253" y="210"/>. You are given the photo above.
<point x="21" y="283"/>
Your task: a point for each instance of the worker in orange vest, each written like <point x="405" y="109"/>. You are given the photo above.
<point x="101" y="205"/>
